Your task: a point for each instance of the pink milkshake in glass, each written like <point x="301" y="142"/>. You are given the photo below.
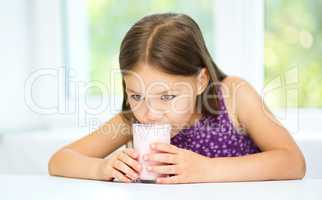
<point x="143" y="136"/>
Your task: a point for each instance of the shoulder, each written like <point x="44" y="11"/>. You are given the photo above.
<point x="241" y="99"/>
<point x="232" y="82"/>
<point x="247" y="103"/>
<point x="239" y="89"/>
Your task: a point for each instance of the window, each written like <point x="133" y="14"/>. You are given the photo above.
<point x="293" y="35"/>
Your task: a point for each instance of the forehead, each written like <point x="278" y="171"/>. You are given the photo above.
<point x="145" y="77"/>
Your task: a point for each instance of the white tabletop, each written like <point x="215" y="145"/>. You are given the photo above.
<point x="47" y="188"/>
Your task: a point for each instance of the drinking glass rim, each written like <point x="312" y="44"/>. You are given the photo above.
<point x="149" y="125"/>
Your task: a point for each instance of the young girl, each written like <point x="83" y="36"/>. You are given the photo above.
<point x="221" y="130"/>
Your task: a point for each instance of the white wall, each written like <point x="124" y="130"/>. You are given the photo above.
<point x="30" y="40"/>
<point x="239" y="40"/>
<point x="15" y="63"/>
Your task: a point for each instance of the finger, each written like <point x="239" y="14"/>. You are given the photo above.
<point x="132" y="153"/>
<point x="164" y="169"/>
<point x="165" y="147"/>
<point x="162" y="157"/>
<point x="121" y="166"/>
<point x="130" y="162"/>
<point x="170" y="180"/>
<point x="121" y="177"/>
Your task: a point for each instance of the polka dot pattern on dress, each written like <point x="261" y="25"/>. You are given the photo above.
<point x="215" y="136"/>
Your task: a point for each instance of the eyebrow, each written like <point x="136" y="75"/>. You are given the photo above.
<point x="162" y="92"/>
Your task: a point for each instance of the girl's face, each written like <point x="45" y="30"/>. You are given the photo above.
<point x="158" y="97"/>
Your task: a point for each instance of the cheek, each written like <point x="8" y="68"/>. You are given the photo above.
<point x="182" y="105"/>
<point x="137" y="109"/>
<point x="181" y="110"/>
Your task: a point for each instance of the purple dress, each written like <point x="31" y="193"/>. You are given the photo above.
<point x="215" y="136"/>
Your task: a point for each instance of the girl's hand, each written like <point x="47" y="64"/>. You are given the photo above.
<point x="123" y="166"/>
<point x="186" y="166"/>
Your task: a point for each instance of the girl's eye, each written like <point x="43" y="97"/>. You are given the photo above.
<point x="167" y="97"/>
<point x="136" y="97"/>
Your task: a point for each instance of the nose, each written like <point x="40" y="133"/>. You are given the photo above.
<point x="153" y="116"/>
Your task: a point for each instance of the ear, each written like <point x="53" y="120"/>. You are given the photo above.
<point x="202" y="80"/>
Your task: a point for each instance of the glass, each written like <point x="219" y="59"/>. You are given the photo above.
<point x="143" y="136"/>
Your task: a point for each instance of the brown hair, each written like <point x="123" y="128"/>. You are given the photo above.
<point x="172" y="43"/>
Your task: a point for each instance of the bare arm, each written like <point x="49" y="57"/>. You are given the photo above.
<point x="84" y="157"/>
<point x="280" y="157"/>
